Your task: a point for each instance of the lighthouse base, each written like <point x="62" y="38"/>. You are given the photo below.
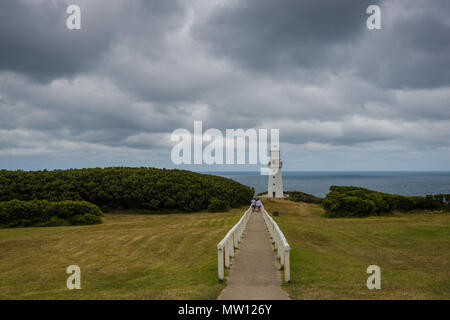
<point x="267" y="196"/>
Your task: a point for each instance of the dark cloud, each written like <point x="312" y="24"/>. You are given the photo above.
<point x="92" y="111"/>
<point x="35" y="41"/>
<point x="267" y="35"/>
<point x="282" y="38"/>
<point x="413" y="49"/>
<point x="112" y="93"/>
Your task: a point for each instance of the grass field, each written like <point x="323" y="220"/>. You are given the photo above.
<point x="329" y="257"/>
<point x="128" y="256"/>
<point x="173" y="256"/>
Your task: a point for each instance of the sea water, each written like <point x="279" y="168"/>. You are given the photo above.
<point x="318" y="183"/>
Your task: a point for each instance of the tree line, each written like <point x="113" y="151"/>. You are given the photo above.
<point x="349" y="201"/>
<point x="16" y="213"/>
<point x="125" y="188"/>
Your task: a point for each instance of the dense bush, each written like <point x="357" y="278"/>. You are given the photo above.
<point x="360" y="202"/>
<point x="45" y="213"/>
<point x="217" y="205"/>
<point x="123" y="188"/>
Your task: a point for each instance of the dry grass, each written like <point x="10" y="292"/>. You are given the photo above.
<point x="329" y="256"/>
<point x="129" y="256"/>
<point x="173" y="256"/>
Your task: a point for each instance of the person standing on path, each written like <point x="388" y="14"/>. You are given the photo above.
<point x="253" y="204"/>
<point x="258" y="205"/>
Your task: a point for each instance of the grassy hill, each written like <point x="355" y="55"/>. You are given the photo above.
<point x="128" y="256"/>
<point x="173" y="256"/>
<point x="329" y="257"/>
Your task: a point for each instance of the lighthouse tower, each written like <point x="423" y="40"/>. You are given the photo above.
<point x="275" y="187"/>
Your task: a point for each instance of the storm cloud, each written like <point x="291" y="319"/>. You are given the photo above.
<point x="344" y="97"/>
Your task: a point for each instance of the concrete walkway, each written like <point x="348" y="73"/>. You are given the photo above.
<point x="254" y="273"/>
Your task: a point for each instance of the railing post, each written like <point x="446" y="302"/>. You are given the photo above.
<point x="287" y="270"/>
<point x="231" y="247"/>
<point x="227" y="255"/>
<point x="278" y="245"/>
<point x="282" y="254"/>
<point x="220" y="262"/>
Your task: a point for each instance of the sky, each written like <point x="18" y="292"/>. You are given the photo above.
<point x="110" y="94"/>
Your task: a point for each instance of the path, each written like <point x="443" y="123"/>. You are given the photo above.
<point x="254" y="274"/>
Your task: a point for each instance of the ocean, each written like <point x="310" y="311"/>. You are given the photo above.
<point x="318" y="183"/>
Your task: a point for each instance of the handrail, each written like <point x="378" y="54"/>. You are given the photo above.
<point x="281" y="244"/>
<point x="225" y="248"/>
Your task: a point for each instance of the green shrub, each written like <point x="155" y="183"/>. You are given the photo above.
<point x="53" y="222"/>
<point x="349" y="201"/>
<point x="349" y="206"/>
<point x="17" y="213"/>
<point x="87" y="218"/>
<point x="217" y="205"/>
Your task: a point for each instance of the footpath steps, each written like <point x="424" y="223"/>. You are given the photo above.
<point x="254" y="274"/>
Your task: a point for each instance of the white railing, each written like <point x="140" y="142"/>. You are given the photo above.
<point x="281" y="244"/>
<point x="225" y="248"/>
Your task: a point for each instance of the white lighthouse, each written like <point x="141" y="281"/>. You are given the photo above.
<point x="275" y="187"/>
